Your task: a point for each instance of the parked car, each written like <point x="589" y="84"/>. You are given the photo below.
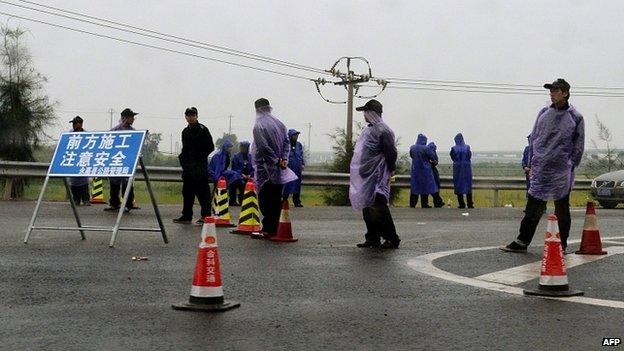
<point x="608" y="189"/>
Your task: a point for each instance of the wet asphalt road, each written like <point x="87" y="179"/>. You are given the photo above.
<point x="320" y="293"/>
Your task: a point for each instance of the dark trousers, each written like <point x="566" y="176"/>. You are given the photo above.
<point x="462" y="204"/>
<point x="437" y="200"/>
<point x="270" y="203"/>
<point x="115" y="187"/>
<point x="424" y="200"/>
<point x="533" y="212"/>
<point x="237" y="190"/>
<point x="80" y="193"/>
<point x="296" y="198"/>
<point x="195" y="187"/>
<point x="379" y="223"/>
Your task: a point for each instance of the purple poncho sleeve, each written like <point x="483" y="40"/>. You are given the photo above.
<point x="270" y="144"/>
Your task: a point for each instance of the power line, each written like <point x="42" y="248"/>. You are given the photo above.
<point x="505" y="92"/>
<point x="156" y="34"/>
<point x="156" y="47"/>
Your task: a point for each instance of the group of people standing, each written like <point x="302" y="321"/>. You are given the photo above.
<point x="425" y="178"/>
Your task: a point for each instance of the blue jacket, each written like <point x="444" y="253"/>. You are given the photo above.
<point x="296" y="162"/>
<point x="422" y="180"/>
<point x="462" y="169"/>
<point x="219" y="163"/>
<point x="241" y="162"/>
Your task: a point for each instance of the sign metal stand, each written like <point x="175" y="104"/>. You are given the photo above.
<point x="54" y="173"/>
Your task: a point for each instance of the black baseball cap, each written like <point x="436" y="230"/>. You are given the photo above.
<point x="128" y="113"/>
<point x="191" y="111"/>
<point x="560" y="83"/>
<point x="371" y="105"/>
<point x="76" y="119"/>
<point x="262" y="102"/>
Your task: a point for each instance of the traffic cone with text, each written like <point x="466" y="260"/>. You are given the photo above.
<point x="249" y="218"/>
<point x="284" y="228"/>
<point x="222" y="210"/>
<point x="553" y="276"/>
<point x="97" y="195"/>
<point x="207" y="289"/>
<point x="590" y="240"/>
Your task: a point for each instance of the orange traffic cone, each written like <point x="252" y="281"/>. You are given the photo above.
<point x="249" y="218"/>
<point x="590" y="240"/>
<point x="553" y="275"/>
<point x="207" y="289"/>
<point x="284" y="229"/>
<point x="222" y="210"/>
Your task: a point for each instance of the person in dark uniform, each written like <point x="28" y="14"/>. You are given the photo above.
<point x="196" y="146"/>
<point x="118" y="184"/>
<point x="79" y="185"/>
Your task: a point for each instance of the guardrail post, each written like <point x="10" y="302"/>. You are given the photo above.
<point x="8" y="189"/>
<point x="496" y="204"/>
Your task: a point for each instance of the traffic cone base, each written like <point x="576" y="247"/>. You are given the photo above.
<point x="207" y="288"/>
<point x="553" y="280"/>
<point x="284" y="228"/>
<point x="590" y="239"/>
<point x="246" y="229"/>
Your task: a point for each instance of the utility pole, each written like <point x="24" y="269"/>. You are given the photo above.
<point x="230" y="129"/>
<point x="309" y="149"/>
<point x="171" y="143"/>
<point x="111" y="111"/>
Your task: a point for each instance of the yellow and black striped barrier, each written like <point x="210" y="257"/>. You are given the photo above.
<point x="97" y="195"/>
<point x="249" y="219"/>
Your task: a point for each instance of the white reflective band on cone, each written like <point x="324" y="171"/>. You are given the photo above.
<point x="202" y="291"/>
<point x="284" y="216"/>
<point x="553" y="280"/>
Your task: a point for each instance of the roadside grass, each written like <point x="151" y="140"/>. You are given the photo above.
<point x="171" y="193"/>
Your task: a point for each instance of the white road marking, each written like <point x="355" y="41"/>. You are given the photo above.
<point x="424" y="264"/>
<point x="521" y="274"/>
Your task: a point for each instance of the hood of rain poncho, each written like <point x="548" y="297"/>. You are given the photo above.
<point x="292" y="132"/>
<point x="422" y="180"/>
<point x="462" y="168"/>
<point x="270" y="144"/>
<point x="556" y="147"/>
<point x="369" y="172"/>
<point x="459" y="139"/>
<point x="217" y="166"/>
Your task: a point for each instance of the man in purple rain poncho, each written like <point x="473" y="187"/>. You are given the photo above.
<point x="372" y="165"/>
<point x="462" y="171"/>
<point x="422" y="179"/>
<point x="555" y="148"/>
<point x="525" y="164"/>
<point x="219" y="164"/>
<point x="296" y="163"/>
<point x="437" y="199"/>
<point x="270" y="163"/>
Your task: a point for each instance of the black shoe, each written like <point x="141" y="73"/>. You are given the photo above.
<point x="470" y="206"/>
<point x="126" y="209"/>
<point x="391" y="244"/>
<point x="111" y="209"/>
<point x="514" y="247"/>
<point x="367" y="244"/>
<point x="298" y="205"/>
<point x="461" y="206"/>
<point x="426" y="206"/>
<point x="199" y="222"/>
<point x="182" y="220"/>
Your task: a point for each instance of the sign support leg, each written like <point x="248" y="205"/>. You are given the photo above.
<point x="153" y="198"/>
<point x="121" y="211"/>
<point x="36" y="211"/>
<point x="73" y="207"/>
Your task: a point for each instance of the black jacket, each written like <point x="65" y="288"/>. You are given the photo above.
<point x="196" y="146"/>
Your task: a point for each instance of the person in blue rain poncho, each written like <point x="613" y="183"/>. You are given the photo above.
<point x="269" y="152"/>
<point x="525" y="163"/>
<point x="241" y="164"/>
<point x="555" y="149"/>
<point x="296" y="162"/>
<point x="437" y="199"/>
<point x="219" y="164"/>
<point x="422" y="180"/>
<point x="372" y="165"/>
<point x="462" y="171"/>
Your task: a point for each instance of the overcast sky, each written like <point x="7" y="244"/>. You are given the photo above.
<point x="519" y="42"/>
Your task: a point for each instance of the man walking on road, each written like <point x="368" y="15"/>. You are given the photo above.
<point x="555" y="148"/>
<point x="270" y="163"/>
<point x="372" y="165"/>
<point x="196" y="146"/>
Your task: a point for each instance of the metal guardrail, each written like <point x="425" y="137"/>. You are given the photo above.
<point x="13" y="169"/>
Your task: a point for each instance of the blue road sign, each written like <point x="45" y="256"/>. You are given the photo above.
<point x="101" y="154"/>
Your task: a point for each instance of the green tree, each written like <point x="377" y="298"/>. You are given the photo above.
<point x="25" y="110"/>
<point x="150" y="147"/>
<point x="231" y="137"/>
<point x="606" y="158"/>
